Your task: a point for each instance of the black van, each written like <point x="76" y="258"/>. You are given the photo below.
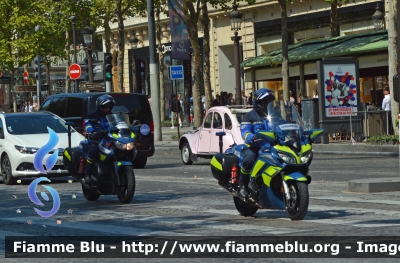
<point x="75" y="106"/>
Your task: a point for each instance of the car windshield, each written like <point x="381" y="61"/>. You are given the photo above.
<point x="239" y="117"/>
<point x="34" y="124"/>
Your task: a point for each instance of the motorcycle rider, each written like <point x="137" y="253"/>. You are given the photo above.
<point x="251" y="122"/>
<point x="104" y="105"/>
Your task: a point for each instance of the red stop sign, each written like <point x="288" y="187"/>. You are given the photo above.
<point x="75" y="71"/>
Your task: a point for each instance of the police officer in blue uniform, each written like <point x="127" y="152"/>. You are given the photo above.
<point x="104" y="105"/>
<point x="253" y="121"/>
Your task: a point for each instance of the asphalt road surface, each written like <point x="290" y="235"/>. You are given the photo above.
<point x="172" y="199"/>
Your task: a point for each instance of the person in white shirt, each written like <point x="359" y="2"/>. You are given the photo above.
<point x="29" y="107"/>
<point x="244" y="99"/>
<point x="315" y="94"/>
<point x="386" y="99"/>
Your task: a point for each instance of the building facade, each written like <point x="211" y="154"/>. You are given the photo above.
<point x="261" y="33"/>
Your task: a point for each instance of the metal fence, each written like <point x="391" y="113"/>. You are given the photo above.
<point x="370" y="123"/>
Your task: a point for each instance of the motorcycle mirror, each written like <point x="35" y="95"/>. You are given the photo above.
<point x="135" y="123"/>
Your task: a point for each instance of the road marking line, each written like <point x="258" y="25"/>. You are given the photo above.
<point x="220" y="225"/>
<point x="103" y="228"/>
<point x="355" y="199"/>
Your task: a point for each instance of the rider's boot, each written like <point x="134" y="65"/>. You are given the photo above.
<point x="87" y="177"/>
<point x="243" y="182"/>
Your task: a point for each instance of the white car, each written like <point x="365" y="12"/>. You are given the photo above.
<point x="22" y="135"/>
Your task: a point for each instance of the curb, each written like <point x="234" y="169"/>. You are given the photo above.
<point x="374" y="185"/>
<point x="356" y="153"/>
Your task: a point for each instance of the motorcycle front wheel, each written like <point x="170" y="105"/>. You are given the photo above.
<point x="89" y="194"/>
<point x="244" y="208"/>
<point x="126" y="190"/>
<point x="297" y="206"/>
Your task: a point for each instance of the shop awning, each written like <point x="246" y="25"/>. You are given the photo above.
<point x="323" y="48"/>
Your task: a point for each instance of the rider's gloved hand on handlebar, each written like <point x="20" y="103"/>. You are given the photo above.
<point x="255" y="139"/>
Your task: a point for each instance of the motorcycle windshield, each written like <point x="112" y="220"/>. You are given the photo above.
<point x="284" y="119"/>
<point x="119" y="121"/>
<point x="283" y="112"/>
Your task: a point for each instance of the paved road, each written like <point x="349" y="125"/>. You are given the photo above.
<point x="174" y="200"/>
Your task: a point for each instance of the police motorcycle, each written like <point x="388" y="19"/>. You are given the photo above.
<point x="113" y="173"/>
<point x="279" y="177"/>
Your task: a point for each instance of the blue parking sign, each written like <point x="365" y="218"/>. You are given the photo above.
<point x="176" y="72"/>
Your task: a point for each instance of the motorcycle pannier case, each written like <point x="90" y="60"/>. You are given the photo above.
<point x="221" y="165"/>
<point x="71" y="158"/>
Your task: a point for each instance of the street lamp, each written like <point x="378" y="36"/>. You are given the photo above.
<point x="236" y="18"/>
<point x="72" y="18"/>
<point x="133" y="41"/>
<point x="87" y="33"/>
<point x="378" y="18"/>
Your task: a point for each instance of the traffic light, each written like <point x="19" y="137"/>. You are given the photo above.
<point x="85" y="70"/>
<point x="40" y="68"/>
<point x="107" y="66"/>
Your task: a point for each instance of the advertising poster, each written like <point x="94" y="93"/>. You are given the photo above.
<point x="180" y="44"/>
<point x="340" y="90"/>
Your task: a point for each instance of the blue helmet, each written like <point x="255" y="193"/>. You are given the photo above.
<point x="261" y="99"/>
<point x="104" y="102"/>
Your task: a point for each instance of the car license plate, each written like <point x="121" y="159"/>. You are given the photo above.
<point x="59" y="162"/>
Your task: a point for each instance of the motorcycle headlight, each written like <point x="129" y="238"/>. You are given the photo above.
<point x="288" y="158"/>
<point x="130" y="146"/>
<point x="305" y="157"/>
<point x="24" y="149"/>
<point x="124" y="146"/>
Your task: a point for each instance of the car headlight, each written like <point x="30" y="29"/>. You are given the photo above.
<point x="24" y="149"/>
<point x="305" y="157"/>
<point x="124" y="146"/>
<point x="288" y="158"/>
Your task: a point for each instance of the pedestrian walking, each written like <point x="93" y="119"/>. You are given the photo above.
<point x="176" y="109"/>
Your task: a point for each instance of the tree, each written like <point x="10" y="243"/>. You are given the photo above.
<point x="285" y="52"/>
<point x="191" y="10"/>
<point x="392" y="50"/>
<point x="205" y="22"/>
<point x="334" y="13"/>
<point x="159" y="9"/>
<point x="19" y="41"/>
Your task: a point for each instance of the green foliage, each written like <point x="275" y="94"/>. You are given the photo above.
<point x="174" y="137"/>
<point x="383" y="139"/>
<point x="340" y="2"/>
<point x="166" y="123"/>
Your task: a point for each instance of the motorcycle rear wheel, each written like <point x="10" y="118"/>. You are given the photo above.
<point x="90" y="195"/>
<point x="126" y="191"/>
<point x="297" y="207"/>
<point x="244" y="208"/>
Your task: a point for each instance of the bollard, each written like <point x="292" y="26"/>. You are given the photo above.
<point x="220" y="134"/>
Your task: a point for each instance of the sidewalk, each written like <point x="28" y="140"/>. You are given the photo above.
<point x="341" y="147"/>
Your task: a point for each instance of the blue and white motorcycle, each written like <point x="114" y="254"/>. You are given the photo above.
<point x="113" y="173"/>
<point x="279" y="177"/>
